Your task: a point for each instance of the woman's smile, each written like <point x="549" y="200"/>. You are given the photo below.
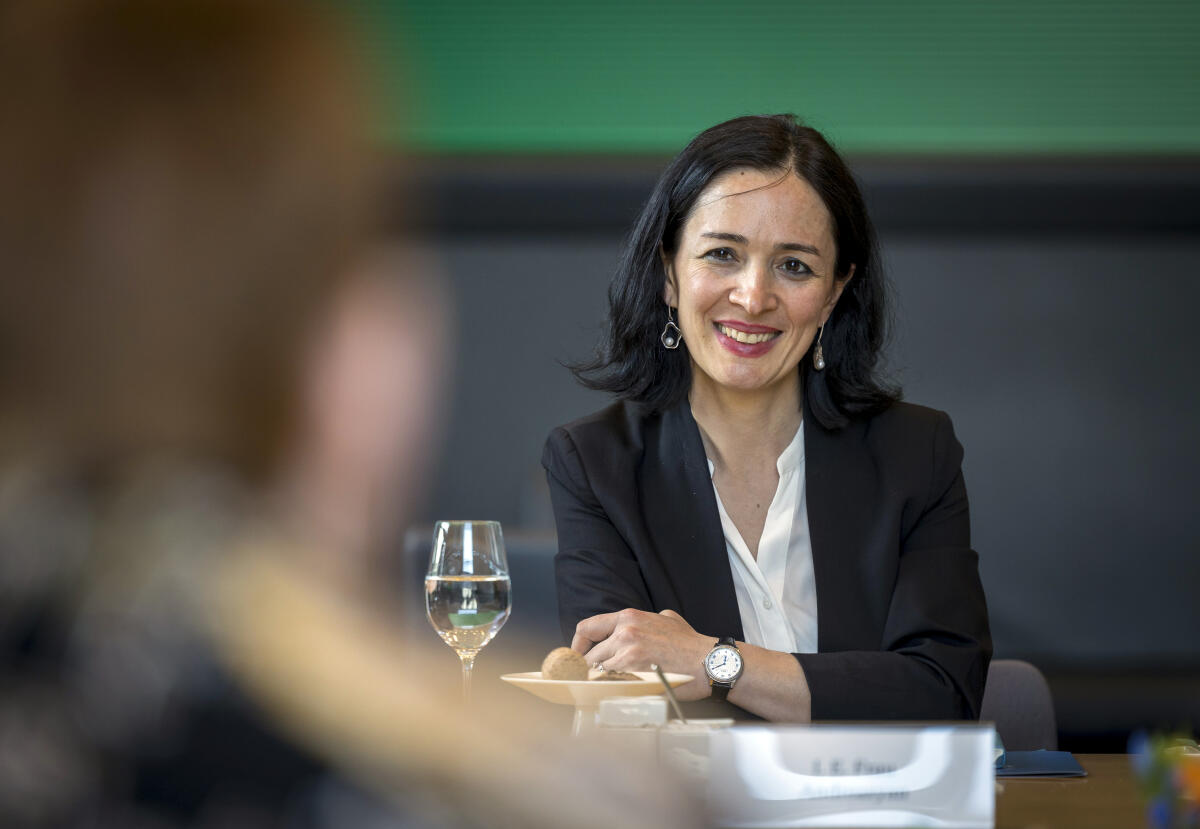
<point x="745" y="339"/>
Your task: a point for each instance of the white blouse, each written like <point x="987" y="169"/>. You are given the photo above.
<point x="777" y="593"/>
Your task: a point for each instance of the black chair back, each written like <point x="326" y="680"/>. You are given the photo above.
<point x="1017" y="699"/>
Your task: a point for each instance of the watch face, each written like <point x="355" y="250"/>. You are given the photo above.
<point x="723" y="664"/>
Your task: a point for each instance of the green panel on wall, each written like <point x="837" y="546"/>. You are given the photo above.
<point x="932" y="76"/>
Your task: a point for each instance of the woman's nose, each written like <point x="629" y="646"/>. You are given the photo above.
<point x="753" y="289"/>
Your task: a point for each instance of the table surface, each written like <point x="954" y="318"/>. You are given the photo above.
<point x="1108" y="798"/>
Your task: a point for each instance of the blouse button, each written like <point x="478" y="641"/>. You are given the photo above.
<point x="767" y="604"/>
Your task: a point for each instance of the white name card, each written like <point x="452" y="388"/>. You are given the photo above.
<point x="846" y="775"/>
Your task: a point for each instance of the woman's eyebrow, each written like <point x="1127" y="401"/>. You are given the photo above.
<point x="742" y="240"/>
<point x="727" y="237"/>
<point x="800" y="246"/>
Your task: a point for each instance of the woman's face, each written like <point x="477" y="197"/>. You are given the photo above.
<point x="753" y="279"/>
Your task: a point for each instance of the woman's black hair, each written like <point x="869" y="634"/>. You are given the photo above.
<point x="631" y="361"/>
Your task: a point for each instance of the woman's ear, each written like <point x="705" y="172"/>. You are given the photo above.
<point x="839" y="284"/>
<point x="670" y="294"/>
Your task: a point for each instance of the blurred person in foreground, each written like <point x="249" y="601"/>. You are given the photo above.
<point x="216" y="405"/>
<point x="758" y="508"/>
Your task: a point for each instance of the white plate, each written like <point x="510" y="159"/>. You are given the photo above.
<point x="588" y="693"/>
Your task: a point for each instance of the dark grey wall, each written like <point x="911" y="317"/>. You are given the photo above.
<point x="1069" y="367"/>
<point x="523" y="306"/>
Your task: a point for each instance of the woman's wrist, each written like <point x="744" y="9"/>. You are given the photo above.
<point x="772" y="685"/>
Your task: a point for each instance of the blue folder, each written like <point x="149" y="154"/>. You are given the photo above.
<point x="1040" y="764"/>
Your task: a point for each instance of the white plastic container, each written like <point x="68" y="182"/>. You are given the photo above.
<point x="684" y="747"/>
<point x="630" y="725"/>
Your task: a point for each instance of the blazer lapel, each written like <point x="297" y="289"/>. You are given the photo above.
<point x="684" y="526"/>
<point x="839" y="481"/>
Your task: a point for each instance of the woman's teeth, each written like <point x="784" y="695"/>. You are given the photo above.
<point x="743" y="337"/>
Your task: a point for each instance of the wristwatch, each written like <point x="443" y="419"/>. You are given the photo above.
<point x="724" y="667"/>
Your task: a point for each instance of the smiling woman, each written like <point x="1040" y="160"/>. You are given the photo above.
<point x="752" y="295"/>
<point x="757" y="497"/>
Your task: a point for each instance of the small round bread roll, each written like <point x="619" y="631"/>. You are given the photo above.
<point x="564" y="663"/>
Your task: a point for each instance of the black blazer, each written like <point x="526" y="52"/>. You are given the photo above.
<point x="901" y="619"/>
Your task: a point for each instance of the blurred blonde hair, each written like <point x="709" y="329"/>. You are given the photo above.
<point x="181" y="185"/>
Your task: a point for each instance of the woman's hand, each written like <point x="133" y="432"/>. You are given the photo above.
<point x="773" y="684"/>
<point x="633" y="640"/>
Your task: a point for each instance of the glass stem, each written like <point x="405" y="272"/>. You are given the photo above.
<point x="468" y="664"/>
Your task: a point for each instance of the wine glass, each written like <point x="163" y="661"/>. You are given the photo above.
<point x="467" y="589"/>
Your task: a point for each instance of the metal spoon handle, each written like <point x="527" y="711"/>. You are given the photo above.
<point x="670" y="693"/>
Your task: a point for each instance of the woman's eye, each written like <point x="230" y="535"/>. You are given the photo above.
<point x="795" y="266"/>
<point x="720" y="255"/>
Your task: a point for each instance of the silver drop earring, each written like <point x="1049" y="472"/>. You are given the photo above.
<point x="818" y="352"/>
<point x="671" y="336"/>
